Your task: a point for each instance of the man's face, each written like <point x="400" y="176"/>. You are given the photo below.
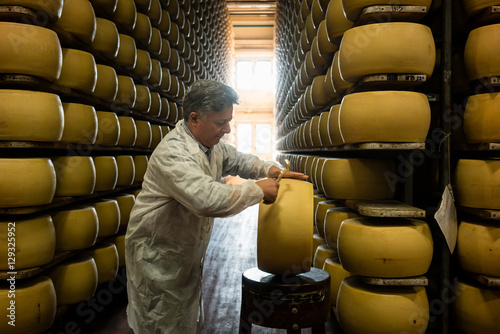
<point x="213" y="128"/>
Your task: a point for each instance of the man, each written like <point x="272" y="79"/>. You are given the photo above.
<point x="171" y="222"/>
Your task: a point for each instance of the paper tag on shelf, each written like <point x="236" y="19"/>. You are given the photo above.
<point x="446" y="217"/>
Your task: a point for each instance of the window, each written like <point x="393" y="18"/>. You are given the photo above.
<point x="244" y="138"/>
<point x="263" y="138"/>
<point x="254" y="74"/>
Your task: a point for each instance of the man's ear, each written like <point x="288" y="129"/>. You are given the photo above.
<point x="193" y="118"/>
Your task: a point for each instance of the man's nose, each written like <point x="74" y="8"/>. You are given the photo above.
<point x="226" y="128"/>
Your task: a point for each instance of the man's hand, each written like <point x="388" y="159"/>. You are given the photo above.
<point x="274" y="172"/>
<point x="270" y="189"/>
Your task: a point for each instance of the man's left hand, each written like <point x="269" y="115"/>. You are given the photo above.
<point x="274" y="172"/>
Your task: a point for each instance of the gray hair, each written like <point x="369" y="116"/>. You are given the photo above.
<point x="206" y="96"/>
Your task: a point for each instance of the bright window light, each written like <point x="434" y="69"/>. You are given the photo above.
<point x="254" y="74"/>
<point x="244" y="74"/>
<point x="263" y="138"/>
<point x="263" y="74"/>
<point x="244" y="133"/>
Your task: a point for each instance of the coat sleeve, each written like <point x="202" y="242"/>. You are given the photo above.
<point x="245" y="165"/>
<point x="182" y="177"/>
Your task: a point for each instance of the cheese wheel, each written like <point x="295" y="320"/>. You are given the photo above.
<point x="140" y="164"/>
<point x="35" y="306"/>
<point x="144" y="135"/>
<point x="333" y="219"/>
<point x="143" y="99"/>
<point x="366" y="50"/>
<point x="317" y="241"/>
<point x="358" y="178"/>
<point x="109" y="6"/>
<point x="106" y="172"/>
<point x="108" y="128"/>
<point x="80" y="123"/>
<point x="156" y="105"/>
<point x="477" y="183"/>
<point x="323" y="129"/>
<point x="143" y="5"/>
<point x="126" y="203"/>
<point x="481" y="120"/>
<point x="106" y="38"/>
<point x="476" y="309"/>
<point x="127" y="52"/>
<point x="126" y="170"/>
<point x="78" y="18"/>
<point x="164" y="112"/>
<point x="156" y="135"/>
<point x="119" y="242"/>
<point x="75" y="175"/>
<point x="323" y="252"/>
<point x="482" y="44"/>
<point x="125" y="14"/>
<point x="106" y="259"/>
<point x="318" y="93"/>
<point x="34" y="240"/>
<point x="284" y="235"/>
<point x="333" y="128"/>
<point x="108" y="214"/>
<point x="155" y="12"/>
<point x="126" y="91"/>
<point x="106" y="86"/>
<point x="52" y="9"/>
<point x="155" y="45"/>
<point x="474" y="7"/>
<point x="352" y="8"/>
<point x="320" y="213"/>
<point x="75" y="280"/>
<point x="478" y="247"/>
<point x="164" y="24"/>
<point x="26" y="182"/>
<point x="369" y="309"/>
<point x="30" y="116"/>
<point x="31" y="50"/>
<point x="326" y="48"/>
<point x="156" y="76"/>
<point x="128" y="131"/>
<point x="78" y="71"/>
<point x="142" y="29"/>
<point x="336" y="22"/>
<point x="340" y="85"/>
<point x="337" y="274"/>
<point x="143" y="66"/>
<point x="387" y="247"/>
<point x="384" y="116"/>
<point x="76" y="227"/>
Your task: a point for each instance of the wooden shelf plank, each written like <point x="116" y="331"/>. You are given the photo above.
<point x="364" y="147"/>
<point x="385" y="208"/>
<point x="489" y="281"/>
<point x="404" y="281"/>
<point x="482" y="213"/>
<point x="30" y="272"/>
<point x="71" y="146"/>
<point x="374" y="14"/>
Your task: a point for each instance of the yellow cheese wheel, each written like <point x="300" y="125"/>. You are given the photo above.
<point x="155" y="45"/>
<point x="125" y="14"/>
<point x="333" y="219"/>
<point x="108" y="128"/>
<point x="140" y="164"/>
<point x="106" y="86"/>
<point x="385" y="247"/>
<point x="476" y="309"/>
<point x="126" y="91"/>
<point x="119" y="242"/>
<point x="339" y="84"/>
<point x="142" y="29"/>
<point x="106" y="38"/>
<point x="35" y="306"/>
<point x="369" y="309"/>
<point x="78" y="18"/>
<point x="284" y="235"/>
<point x="326" y="48"/>
<point x="126" y="170"/>
<point x="155" y="12"/>
<point x="481" y="120"/>
<point x="106" y="172"/>
<point x="477" y="183"/>
<point x="143" y="5"/>
<point x="156" y="105"/>
<point x="34" y="241"/>
<point x="164" y="24"/>
<point x="352" y="8"/>
<point x="156" y="135"/>
<point x="478" y="247"/>
<point x="128" y="131"/>
<point x="31" y="50"/>
<point x="109" y="6"/>
<point x="80" y="123"/>
<point x="320" y="213"/>
<point x="323" y="129"/>
<point x="126" y="203"/>
<point x="156" y="77"/>
<point x="143" y="66"/>
<point x="106" y="259"/>
<point x="127" y="52"/>
<point x="51" y="9"/>
<point x="76" y="227"/>
<point x="164" y="111"/>
<point x="337" y="274"/>
<point x="78" y="71"/>
<point x="75" y="175"/>
<point x="323" y="252"/>
<point x="366" y="50"/>
<point x="336" y="22"/>
<point x="143" y="99"/>
<point x="318" y="240"/>
<point x="108" y="214"/>
<point x="482" y="44"/>
<point x="333" y="128"/>
<point x="26" y="182"/>
<point x="474" y="7"/>
<point x="30" y="116"/>
<point x="384" y="116"/>
<point x="143" y="133"/>
<point x="75" y="280"/>
<point x="353" y="178"/>
<point x="165" y="129"/>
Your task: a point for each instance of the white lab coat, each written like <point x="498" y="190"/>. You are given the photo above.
<point x="170" y="227"/>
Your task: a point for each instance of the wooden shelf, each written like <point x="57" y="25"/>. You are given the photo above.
<point x="30" y="272"/>
<point x="380" y="13"/>
<point x="385" y="208"/>
<point x="71" y="147"/>
<point x="483" y="147"/>
<point x="405" y="281"/>
<point x="481" y="213"/>
<point x="362" y="147"/>
<point x="488" y="281"/>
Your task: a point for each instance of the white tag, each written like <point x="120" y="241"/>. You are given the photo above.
<point x="446" y="217"/>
